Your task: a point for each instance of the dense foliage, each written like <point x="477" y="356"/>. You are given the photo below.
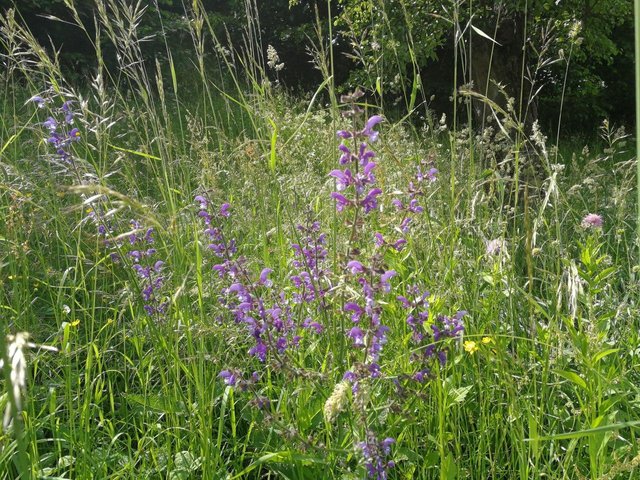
<point x="394" y="47"/>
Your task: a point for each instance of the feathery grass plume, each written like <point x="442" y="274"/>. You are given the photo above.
<point x="16" y="362"/>
<point x="337" y="401"/>
<point x="18" y="376"/>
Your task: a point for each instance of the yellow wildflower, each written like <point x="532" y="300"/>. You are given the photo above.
<point x="471" y="346"/>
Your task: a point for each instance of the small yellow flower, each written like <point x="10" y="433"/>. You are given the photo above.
<point x="471" y="346"/>
<point x="75" y="323"/>
<point x="487" y="340"/>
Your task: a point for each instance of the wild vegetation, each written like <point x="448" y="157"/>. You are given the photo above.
<point x="205" y="275"/>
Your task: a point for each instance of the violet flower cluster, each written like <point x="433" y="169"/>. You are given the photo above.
<point x="265" y="313"/>
<point x="148" y="268"/>
<point x="312" y="277"/>
<point x="431" y="339"/>
<point x="61" y="135"/>
<point x="223" y="248"/>
<point x="137" y="248"/>
<point x="367" y="333"/>
<point x="410" y="207"/>
<point x="375" y="453"/>
<point x="354" y="184"/>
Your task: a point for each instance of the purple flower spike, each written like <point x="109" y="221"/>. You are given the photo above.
<point x="375" y="453"/>
<point x="344" y="134"/>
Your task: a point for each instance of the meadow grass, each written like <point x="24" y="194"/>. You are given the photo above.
<point x="176" y="370"/>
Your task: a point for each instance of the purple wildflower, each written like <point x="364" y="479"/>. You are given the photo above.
<point x="149" y="271"/>
<point x="312" y="279"/>
<point x="494" y="247"/>
<point x="51" y="124"/>
<point x="355" y="267"/>
<point x="357" y="335"/>
<point x="308" y="323"/>
<point x="341" y="201"/>
<point x="347" y="156"/>
<point x="229" y="377"/>
<point x="38" y="100"/>
<point x="264" y="277"/>
<point x="356" y="311"/>
<point x="375" y="455"/>
<point x="224" y="210"/>
<point x="368" y="130"/>
<point x="433" y="345"/>
<point x="203" y="202"/>
<point x="592" y="221"/>
<point x="370" y="202"/>
<point x="384" y="280"/>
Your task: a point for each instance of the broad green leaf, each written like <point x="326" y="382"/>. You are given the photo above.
<point x="600" y="355"/>
<point x="457" y="395"/>
<point x="573" y="377"/>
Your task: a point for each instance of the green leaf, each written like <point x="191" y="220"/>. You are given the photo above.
<point x="586" y="432"/>
<point x="186" y="460"/>
<point x="457" y="395"/>
<point x="7" y="143"/>
<point x="135" y="152"/>
<point x="573" y="377"/>
<point x="279" y="457"/>
<point x="600" y="355"/>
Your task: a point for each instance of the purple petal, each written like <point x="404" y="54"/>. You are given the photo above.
<point x="224" y="210"/>
<point x="264" y="277"/>
<point x="355" y="267"/>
